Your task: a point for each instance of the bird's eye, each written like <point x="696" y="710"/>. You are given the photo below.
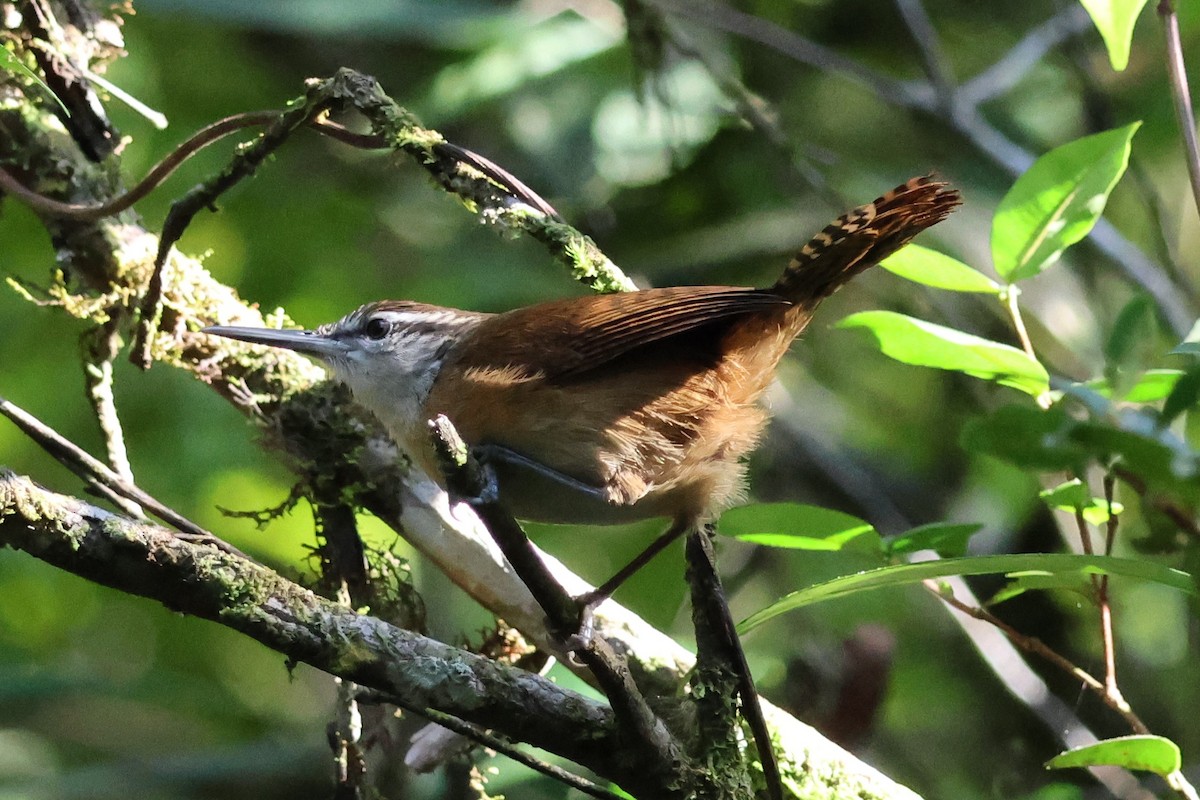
<point x="377" y="328"/>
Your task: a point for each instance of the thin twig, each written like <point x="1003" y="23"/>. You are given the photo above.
<point x="1180" y="93"/>
<point x="1183" y="518"/>
<point x="213" y="133"/>
<point x="101" y="346"/>
<point x="204" y="196"/>
<point x="1014" y="65"/>
<point x="1110" y="532"/>
<point x="929" y="45"/>
<point x="755" y="110"/>
<point x="1036" y="646"/>
<point x="762" y="31"/>
<point x="154" y="178"/>
<point x="95" y="472"/>
<point x="1010" y="295"/>
<point x="491" y="741"/>
<point x="1106" y="623"/>
<point x="1100" y="587"/>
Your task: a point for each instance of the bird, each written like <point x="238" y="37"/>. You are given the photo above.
<point x="609" y="408"/>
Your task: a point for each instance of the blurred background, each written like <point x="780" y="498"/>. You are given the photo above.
<point x="641" y="145"/>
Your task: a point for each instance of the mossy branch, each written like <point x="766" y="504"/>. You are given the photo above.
<point x="325" y="438"/>
<point x="204" y="581"/>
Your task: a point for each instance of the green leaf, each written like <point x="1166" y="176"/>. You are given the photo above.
<point x="1073" y="496"/>
<point x="1184" y="396"/>
<point x="1115" y="20"/>
<point x="1152" y="386"/>
<point x="931" y="268"/>
<point x="1056" y="791"/>
<point x="1154" y="453"/>
<point x="10" y="62"/>
<point x="1036" y="580"/>
<point x="907" y="574"/>
<point x="914" y="341"/>
<point x="949" y="540"/>
<point x="1131" y="345"/>
<point x="1028" y="437"/>
<point x="1068" y="495"/>
<point x="799" y="527"/>
<point x="1144" y="752"/>
<point x="1057" y="202"/>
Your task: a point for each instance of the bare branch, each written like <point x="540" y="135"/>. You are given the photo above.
<point x="95" y="472"/>
<point x="1007" y="72"/>
<point x="929" y="45"/>
<point x="1181" y="95"/>
<point x="721" y="17"/>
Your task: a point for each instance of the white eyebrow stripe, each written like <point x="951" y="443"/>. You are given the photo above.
<point x="408" y="318"/>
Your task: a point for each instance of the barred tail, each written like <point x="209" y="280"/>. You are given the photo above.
<point x="860" y="239"/>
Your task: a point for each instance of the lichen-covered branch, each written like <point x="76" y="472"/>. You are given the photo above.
<point x="332" y="445"/>
<point x="204" y="581"/>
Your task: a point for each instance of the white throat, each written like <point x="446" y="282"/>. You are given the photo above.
<point x="394" y="382"/>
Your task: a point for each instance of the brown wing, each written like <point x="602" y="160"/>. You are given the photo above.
<point x="565" y="338"/>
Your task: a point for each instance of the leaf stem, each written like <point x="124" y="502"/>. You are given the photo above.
<point x="1009" y="295"/>
<point x="1100" y="585"/>
<point x="1110" y="662"/>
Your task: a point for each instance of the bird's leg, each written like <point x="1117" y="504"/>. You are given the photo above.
<point x="588" y="601"/>
<point x="489" y="455"/>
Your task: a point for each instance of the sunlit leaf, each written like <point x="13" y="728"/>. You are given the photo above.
<point x="1036" y="580"/>
<point x="1143" y="752"/>
<point x="1152" y="386"/>
<point x="931" y="268"/>
<point x="1057" y="202"/>
<point x="1115" y="20"/>
<point x="1184" y="396"/>
<point x="1073" y="496"/>
<point x="908" y="574"/>
<point x="10" y="62"/>
<point x="925" y="344"/>
<point x="800" y="527"/>
<point x="948" y="540"/>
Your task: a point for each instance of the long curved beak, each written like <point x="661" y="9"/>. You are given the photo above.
<point x="307" y="342"/>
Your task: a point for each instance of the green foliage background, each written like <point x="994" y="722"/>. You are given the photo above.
<point x="103" y="695"/>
